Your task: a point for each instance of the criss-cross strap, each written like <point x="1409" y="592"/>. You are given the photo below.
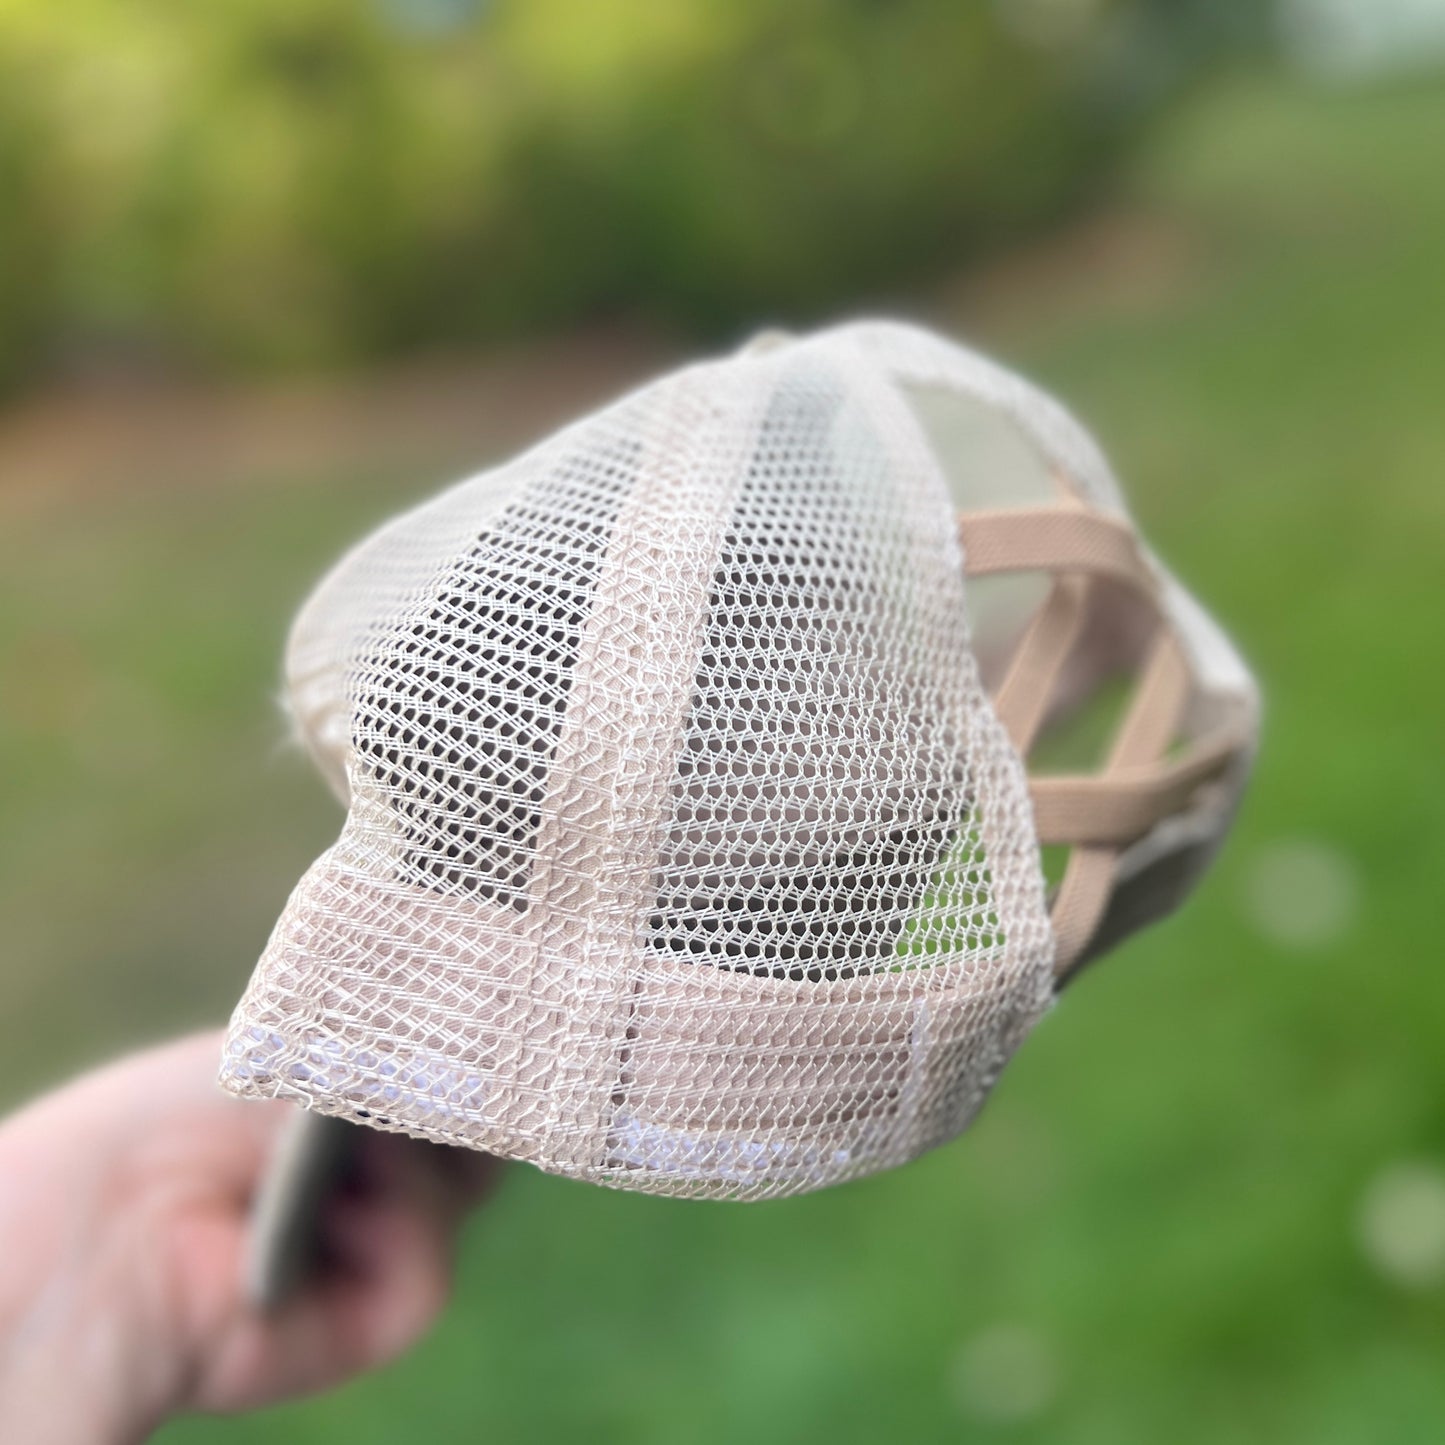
<point x="1141" y="784"/>
<point x="1061" y="538"/>
<point x="1022" y="700"/>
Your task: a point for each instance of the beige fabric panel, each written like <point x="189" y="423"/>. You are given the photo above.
<point x="762" y="1083"/>
<point x="999" y="776"/>
<point x="425" y="988"/>
<point x="593" y="884"/>
<point x="757" y="1083"/>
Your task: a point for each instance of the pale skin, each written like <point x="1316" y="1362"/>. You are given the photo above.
<point x="124" y="1200"/>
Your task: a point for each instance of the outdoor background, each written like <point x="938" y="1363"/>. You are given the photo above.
<point x="269" y="271"/>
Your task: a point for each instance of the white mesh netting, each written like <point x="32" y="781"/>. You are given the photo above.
<point x="684" y="850"/>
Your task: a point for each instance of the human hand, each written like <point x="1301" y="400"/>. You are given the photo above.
<point x="124" y="1201"/>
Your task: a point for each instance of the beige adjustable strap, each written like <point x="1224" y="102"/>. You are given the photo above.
<point x="1148" y="728"/>
<point x="1065" y="538"/>
<point x="1095" y="816"/>
<point x="1023" y="698"/>
<point x="1124" y="803"/>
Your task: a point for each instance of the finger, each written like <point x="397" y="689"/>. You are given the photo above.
<point x="386" y="1277"/>
<point x="436" y="1177"/>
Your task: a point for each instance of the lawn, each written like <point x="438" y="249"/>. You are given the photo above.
<point x="1200" y="1206"/>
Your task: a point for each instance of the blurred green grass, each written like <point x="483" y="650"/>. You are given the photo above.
<point x="1166" y="1192"/>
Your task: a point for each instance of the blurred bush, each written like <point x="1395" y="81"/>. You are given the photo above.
<point x="282" y="181"/>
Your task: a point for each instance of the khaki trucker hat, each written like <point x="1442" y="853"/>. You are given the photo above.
<point x="696" y="833"/>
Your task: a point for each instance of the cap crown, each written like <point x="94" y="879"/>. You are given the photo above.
<point x="690" y="844"/>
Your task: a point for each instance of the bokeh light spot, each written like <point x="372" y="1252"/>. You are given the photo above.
<point x="1402" y="1223"/>
<point x="1303" y="893"/>
<point x="1006" y="1374"/>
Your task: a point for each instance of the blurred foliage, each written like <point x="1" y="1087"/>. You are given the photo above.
<point x="282" y="181"/>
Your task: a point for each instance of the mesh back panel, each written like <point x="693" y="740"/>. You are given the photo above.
<point x="459" y="709"/>
<point x="684" y="849"/>
<point x="814" y="793"/>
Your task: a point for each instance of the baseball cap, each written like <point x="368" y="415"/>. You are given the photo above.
<point x="705" y="830"/>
